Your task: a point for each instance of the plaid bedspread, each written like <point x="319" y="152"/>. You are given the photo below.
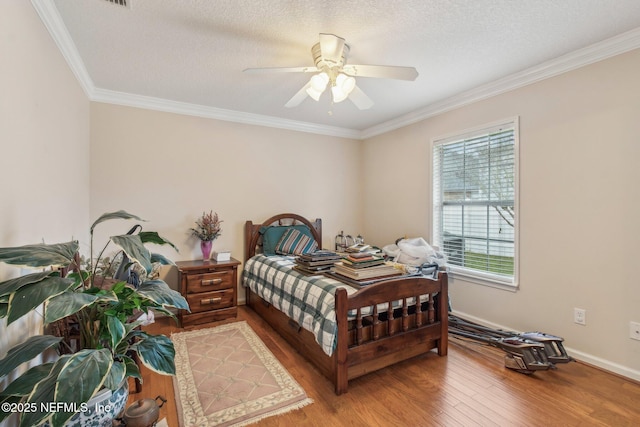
<point x="308" y="300"/>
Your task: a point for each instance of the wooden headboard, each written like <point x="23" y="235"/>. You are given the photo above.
<point x="253" y="238"/>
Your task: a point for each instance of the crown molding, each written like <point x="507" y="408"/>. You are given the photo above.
<point x="158" y="104"/>
<point x="53" y="22"/>
<point x="617" y="45"/>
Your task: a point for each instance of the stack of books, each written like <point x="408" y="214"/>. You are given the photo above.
<point x="364" y="267"/>
<point x="361" y="259"/>
<point x="316" y="262"/>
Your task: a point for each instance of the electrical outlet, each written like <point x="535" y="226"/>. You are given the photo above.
<point x="580" y="316"/>
<point x="634" y="330"/>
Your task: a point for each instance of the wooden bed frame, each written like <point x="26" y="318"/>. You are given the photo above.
<point x="368" y="342"/>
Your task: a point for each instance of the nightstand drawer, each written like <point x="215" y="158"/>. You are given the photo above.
<point x="210" y="289"/>
<point x="210" y="281"/>
<point x="210" y="300"/>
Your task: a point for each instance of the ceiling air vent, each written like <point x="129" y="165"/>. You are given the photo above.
<point x="124" y="3"/>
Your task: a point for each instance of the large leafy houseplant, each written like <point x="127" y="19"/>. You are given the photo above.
<point x="104" y="311"/>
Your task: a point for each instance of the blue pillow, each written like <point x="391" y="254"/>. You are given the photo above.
<point x="271" y="236"/>
<point x="293" y="242"/>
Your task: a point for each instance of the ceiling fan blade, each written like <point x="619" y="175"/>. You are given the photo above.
<point x="360" y="99"/>
<point x="298" y="97"/>
<point x="381" y="71"/>
<point x="282" y="70"/>
<point x="331" y="48"/>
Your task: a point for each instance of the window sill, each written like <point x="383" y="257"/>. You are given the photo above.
<point x="484" y="281"/>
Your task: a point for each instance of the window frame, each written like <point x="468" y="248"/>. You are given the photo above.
<point x="475" y="276"/>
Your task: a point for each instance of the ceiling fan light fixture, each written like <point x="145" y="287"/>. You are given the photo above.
<point x="317" y="85"/>
<point x="338" y="94"/>
<point x="314" y="94"/>
<point x="343" y="86"/>
<point x="346" y="83"/>
<point x="331" y="69"/>
<point x="319" y="82"/>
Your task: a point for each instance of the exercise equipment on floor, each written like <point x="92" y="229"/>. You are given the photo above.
<point x="526" y="352"/>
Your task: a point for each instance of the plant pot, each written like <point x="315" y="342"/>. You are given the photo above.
<point x="102" y="408"/>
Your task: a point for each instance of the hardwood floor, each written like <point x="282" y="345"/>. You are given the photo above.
<point x="469" y="387"/>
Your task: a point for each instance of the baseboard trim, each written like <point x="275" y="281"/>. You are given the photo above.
<point x="586" y="358"/>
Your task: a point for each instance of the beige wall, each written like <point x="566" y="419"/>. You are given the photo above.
<point x="65" y="161"/>
<point x="169" y="168"/>
<point x="44" y="146"/>
<point x="579" y="205"/>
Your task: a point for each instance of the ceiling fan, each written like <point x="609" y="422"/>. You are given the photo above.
<point x="331" y="70"/>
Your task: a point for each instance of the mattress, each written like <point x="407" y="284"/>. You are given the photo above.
<point x="307" y="300"/>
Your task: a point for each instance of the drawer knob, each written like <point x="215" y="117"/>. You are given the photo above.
<point x="210" y="282"/>
<point x="207" y="301"/>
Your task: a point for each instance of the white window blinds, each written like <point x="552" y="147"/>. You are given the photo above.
<point x="474" y="202"/>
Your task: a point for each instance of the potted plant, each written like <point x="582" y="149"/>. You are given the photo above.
<point x="104" y="311"/>
<point x="208" y="228"/>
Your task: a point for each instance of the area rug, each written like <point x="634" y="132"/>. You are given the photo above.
<point x="226" y="376"/>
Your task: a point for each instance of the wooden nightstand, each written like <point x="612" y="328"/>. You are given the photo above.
<point x="210" y="288"/>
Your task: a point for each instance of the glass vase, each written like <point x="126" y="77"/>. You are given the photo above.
<point x="205" y="246"/>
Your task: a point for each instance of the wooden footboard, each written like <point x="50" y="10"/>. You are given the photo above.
<point x="368" y="338"/>
<point x="378" y="339"/>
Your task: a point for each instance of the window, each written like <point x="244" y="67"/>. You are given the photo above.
<point x="475" y="209"/>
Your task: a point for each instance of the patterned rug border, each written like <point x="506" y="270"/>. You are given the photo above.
<point x="188" y="391"/>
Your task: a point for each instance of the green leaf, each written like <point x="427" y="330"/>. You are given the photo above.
<point x="118" y="287"/>
<point x="116" y="330"/>
<point x="132" y="369"/>
<point x="166" y="312"/>
<point x="116" y="374"/>
<point x="159" y="292"/>
<point x="135" y="250"/>
<point x="131" y="334"/>
<point x="29" y="297"/>
<point x="26" y="351"/>
<point x="102" y="294"/>
<point x="4" y="308"/>
<point x="66" y="304"/>
<point x="24" y="384"/>
<point x="80" y="379"/>
<point x="157" y="353"/>
<point x="10" y="286"/>
<point x="154" y="237"/>
<point x="80" y="277"/>
<point x="40" y="255"/>
<point x="43" y="392"/>
<point x="106" y="296"/>
<point x="123" y="347"/>
<point x="161" y="259"/>
<point x="114" y="215"/>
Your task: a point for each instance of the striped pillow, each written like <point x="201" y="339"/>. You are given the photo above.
<point x="293" y="242"/>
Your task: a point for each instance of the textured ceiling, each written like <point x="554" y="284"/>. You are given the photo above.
<point x="194" y="51"/>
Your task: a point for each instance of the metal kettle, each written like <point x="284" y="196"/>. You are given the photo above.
<point x="143" y="412"/>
